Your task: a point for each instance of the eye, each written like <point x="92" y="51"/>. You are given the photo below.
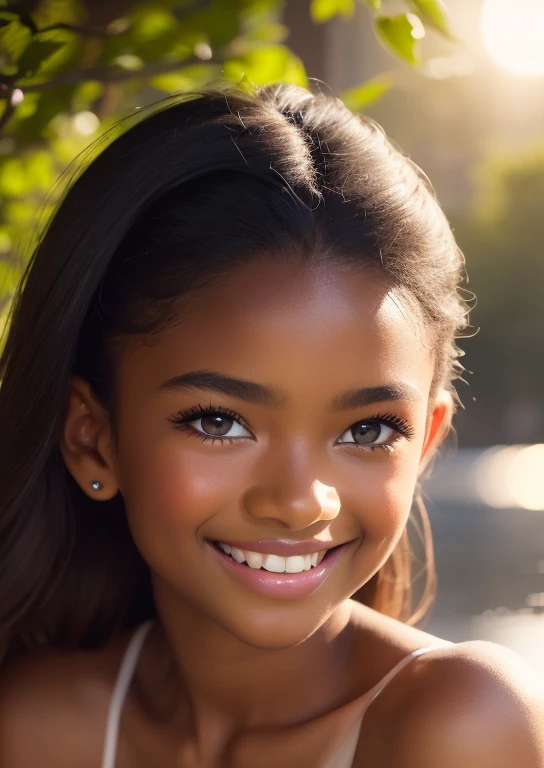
<point x="370" y="433"/>
<point x="211" y="423"/>
<point x="219" y="425"/>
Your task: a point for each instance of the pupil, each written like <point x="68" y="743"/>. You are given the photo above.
<point x="216" y="425"/>
<point x="365" y="432"/>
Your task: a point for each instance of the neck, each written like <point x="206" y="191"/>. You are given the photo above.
<point x="218" y="679"/>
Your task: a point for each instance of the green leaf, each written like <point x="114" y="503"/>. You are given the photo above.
<point x="266" y="65"/>
<point x="323" y="10"/>
<point x="8" y="16"/>
<point x="35" y="55"/>
<point x="396" y="33"/>
<point x="433" y="12"/>
<point x="357" y="99"/>
<point x="14" y="9"/>
<point x="14" y="38"/>
<point x="374" y="4"/>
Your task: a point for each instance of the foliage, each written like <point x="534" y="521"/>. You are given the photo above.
<point x="69" y="68"/>
<point x="502" y="238"/>
<point x="400" y="33"/>
<point x="361" y="96"/>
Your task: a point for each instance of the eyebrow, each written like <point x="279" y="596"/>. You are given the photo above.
<point x="265" y="395"/>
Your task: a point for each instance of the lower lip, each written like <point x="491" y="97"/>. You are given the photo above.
<point x="282" y="585"/>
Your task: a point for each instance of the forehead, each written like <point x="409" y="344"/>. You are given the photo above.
<point x="304" y="328"/>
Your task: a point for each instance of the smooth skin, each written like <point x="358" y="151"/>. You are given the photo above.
<point x="228" y="678"/>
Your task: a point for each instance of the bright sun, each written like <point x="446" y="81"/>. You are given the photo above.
<point x="513" y="33"/>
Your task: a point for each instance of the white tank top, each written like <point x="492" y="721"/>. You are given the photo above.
<point x="342" y="759"/>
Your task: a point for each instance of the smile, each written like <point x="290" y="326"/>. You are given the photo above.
<point x="276" y="576"/>
<point x="271" y="562"/>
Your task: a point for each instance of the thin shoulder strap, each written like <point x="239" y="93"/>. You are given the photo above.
<point x="122" y="684"/>
<point x="378" y="688"/>
<point x="345" y="755"/>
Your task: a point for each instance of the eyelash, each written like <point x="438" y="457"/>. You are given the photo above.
<point x="182" y="419"/>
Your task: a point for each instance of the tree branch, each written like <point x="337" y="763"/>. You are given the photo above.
<point x="115" y="74"/>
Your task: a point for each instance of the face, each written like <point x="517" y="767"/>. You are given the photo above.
<point x="328" y="454"/>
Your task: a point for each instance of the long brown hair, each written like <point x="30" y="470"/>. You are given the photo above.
<point x="182" y="194"/>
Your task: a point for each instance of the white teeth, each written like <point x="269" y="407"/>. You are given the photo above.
<point x="295" y="564"/>
<point x="253" y="559"/>
<point x="237" y="555"/>
<point x="274" y="563"/>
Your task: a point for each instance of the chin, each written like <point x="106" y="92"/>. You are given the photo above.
<point x="275" y="630"/>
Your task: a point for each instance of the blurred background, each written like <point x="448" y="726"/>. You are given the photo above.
<point x="459" y="85"/>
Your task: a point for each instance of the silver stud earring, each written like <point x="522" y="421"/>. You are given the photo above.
<point x="95" y="485"/>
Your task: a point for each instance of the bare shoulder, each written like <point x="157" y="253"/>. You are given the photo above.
<point x="474" y="703"/>
<point x="53" y="707"/>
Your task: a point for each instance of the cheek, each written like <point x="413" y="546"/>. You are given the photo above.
<point x="171" y="488"/>
<point x="383" y="500"/>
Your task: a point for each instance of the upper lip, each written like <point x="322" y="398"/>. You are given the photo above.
<point x="281" y="547"/>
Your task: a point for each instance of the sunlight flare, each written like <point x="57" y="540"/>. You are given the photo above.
<point x="513" y="35"/>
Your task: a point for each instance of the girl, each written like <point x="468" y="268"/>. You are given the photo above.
<point x="228" y="365"/>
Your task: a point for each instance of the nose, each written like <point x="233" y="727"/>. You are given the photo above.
<point x="295" y="498"/>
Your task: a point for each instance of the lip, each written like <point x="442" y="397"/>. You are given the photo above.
<point x="282" y="585"/>
<point x="282" y="547"/>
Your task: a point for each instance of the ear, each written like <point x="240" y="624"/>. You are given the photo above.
<point x="87" y="443"/>
<point x="438" y="428"/>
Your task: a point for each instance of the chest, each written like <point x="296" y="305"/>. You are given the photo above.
<point x="329" y="741"/>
